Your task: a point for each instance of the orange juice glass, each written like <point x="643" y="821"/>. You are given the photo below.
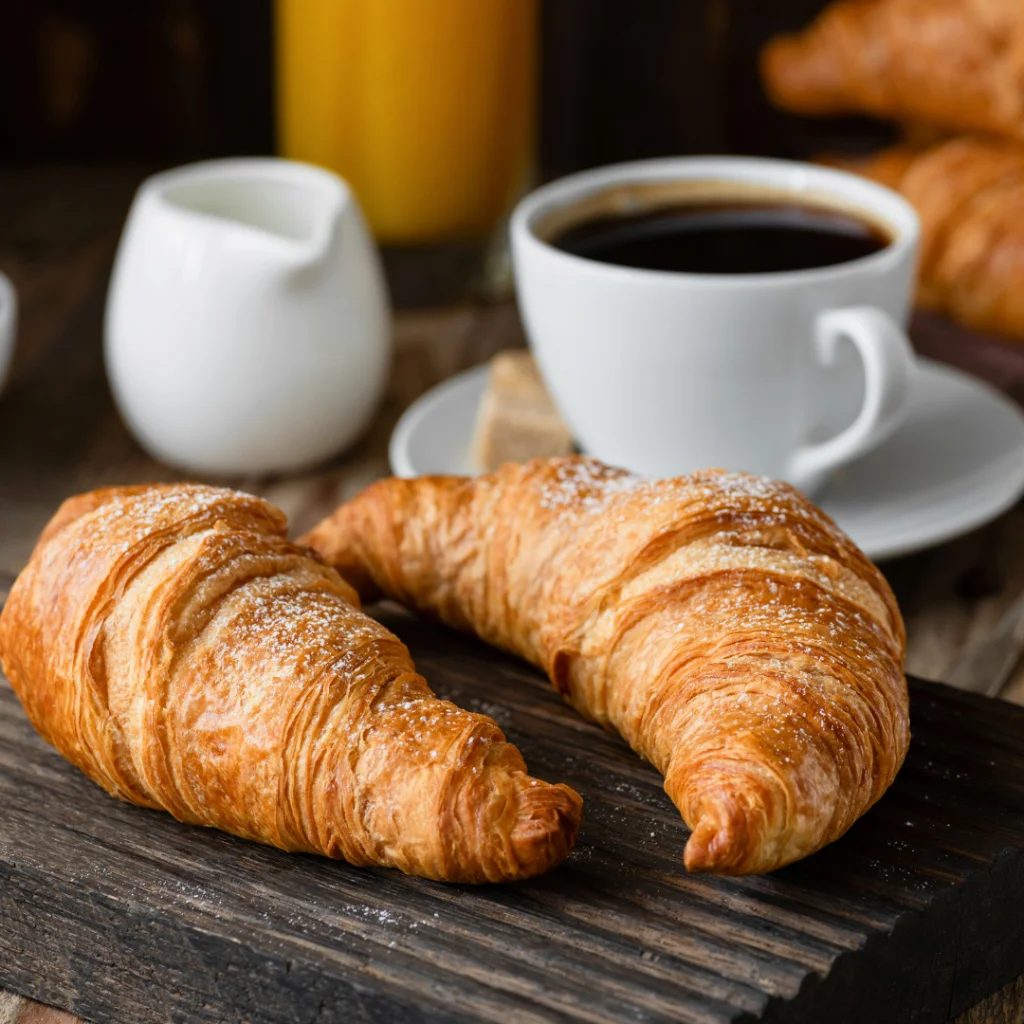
<point x="425" y="106"/>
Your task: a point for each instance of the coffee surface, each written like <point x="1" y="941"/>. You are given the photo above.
<point x="725" y="238"/>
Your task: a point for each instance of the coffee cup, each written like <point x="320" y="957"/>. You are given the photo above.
<point x="788" y="369"/>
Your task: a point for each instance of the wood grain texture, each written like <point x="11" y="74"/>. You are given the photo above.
<point x="913" y="915"/>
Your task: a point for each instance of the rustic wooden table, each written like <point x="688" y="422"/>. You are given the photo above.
<point x="59" y="434"/>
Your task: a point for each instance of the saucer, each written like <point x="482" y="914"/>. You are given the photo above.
<point x="955" y="463"/>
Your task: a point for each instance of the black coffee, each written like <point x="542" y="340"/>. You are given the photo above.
<point x="726" y="238"/>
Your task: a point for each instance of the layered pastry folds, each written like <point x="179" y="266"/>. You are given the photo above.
<point x="719" y="622"/>
<point x="171" y="643"/>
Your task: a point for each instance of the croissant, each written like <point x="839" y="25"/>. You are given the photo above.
<point x="171" y="643"/>
<point x="969" y="194"/>
<point x="958" y="64"/>
<point x="719" y="622"/>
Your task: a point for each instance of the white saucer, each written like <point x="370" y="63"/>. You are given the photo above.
<point x="956" y="463"/>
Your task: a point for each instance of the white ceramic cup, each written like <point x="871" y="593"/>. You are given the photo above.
<point x="8" y="325"/>
<point x="247" y="328"/>
<point x="665" y="373"/>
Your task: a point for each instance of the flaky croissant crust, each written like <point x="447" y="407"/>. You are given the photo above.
<point x="171" y="643"/>
<point x="719" y="622"/>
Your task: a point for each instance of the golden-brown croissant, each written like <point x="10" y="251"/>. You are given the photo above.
<point x="720" y="622"/>
<point x="958" y="64"/>
<point x="171" y="643"/>
<point x="969" y="194"/>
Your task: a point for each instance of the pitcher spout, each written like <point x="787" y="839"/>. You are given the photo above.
<point x="291" y="209"/>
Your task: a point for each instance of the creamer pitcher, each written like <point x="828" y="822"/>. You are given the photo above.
<point x="247" y="328"/>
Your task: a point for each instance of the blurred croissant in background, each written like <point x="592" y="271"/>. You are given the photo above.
<point x="955" y="64"/>
<point x="940" y="67"/>
<point x="969" y="194"/>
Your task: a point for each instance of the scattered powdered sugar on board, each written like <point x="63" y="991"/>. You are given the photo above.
<point x="499" y="714"/>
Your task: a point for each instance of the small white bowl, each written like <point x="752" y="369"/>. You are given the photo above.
<point x="8" y="325"/>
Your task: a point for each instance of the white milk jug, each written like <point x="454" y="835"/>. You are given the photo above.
<point x="247" y="328"/>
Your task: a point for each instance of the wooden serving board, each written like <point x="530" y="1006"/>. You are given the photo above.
<point x="122" y="914"/>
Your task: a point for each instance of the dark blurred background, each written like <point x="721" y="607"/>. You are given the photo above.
<point x="156" y="81"/>
<point x="161" y="82"/>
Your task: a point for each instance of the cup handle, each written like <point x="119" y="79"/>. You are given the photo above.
<point x="8" y="323"/>
<point x="888" y="373"/>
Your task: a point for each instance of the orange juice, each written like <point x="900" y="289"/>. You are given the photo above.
<point x="425" y="106"/>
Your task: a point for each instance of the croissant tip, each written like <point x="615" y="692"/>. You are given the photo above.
<point x="699" y="855"/>
<point x="545" y="830"/>
<point x="718" y="844"/>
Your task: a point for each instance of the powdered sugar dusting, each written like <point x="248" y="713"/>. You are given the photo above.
<point x="135" y="516"/>
<point x="585" y="485"/>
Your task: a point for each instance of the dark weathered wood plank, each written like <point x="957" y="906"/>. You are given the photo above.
<point x="121" y="914"/>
